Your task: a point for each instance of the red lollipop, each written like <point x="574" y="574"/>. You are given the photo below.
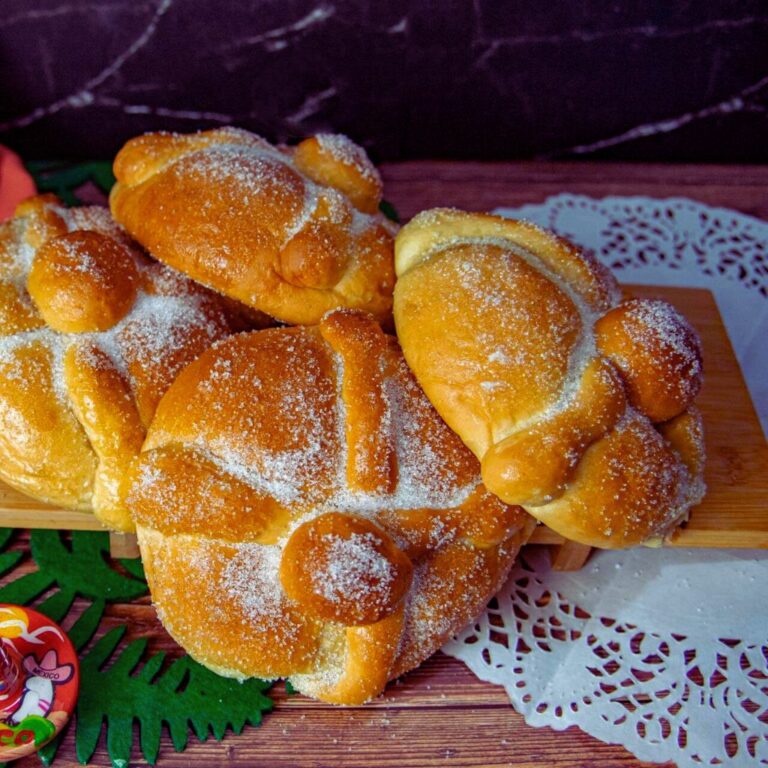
<point x="39" y="680"/>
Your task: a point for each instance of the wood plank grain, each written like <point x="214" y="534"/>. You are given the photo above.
<point x="470" y="723"/>
<point x="544" y="535"/>
<point x="735" y="510"/>
<point x="123" y="545"/>
<point x="16" y="510"/>
<point x="474" y="720"/>
<point x="421" y="184"/>
<point x="304" y="734"/>
<point x="570" y="556"/>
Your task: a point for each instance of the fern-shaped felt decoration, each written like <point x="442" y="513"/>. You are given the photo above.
<point x="64" y="179"/>
<point x="185" y="694"/>
<point x="81" y="569"/>
<point x="7" y="559"/>
<point x="182" y="696"/>
<point x="389" y="211"/>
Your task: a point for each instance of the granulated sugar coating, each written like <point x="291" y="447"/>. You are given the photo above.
<point x="293" y="232"/>
<point x="523" y="344"/>
<point x="346" y="151"/>
<point x="658" y="354"/>
<point x="120" y="328"/>
<point x="314" y="546"/>
<point x="355" y="569"/>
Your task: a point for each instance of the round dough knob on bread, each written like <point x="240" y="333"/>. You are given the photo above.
<point x="657" y="352"/>
<point x="523" y="345"/>
<point x="83" y="281"/>
<point x="315" y="257"/>
<point x="344" y="568"/>
<point x="334" y="160"/>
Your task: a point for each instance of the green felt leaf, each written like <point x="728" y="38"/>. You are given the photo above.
<point x="151" y="667"/>
<point x="150" y="739"/>
<point x="65" y="179"/>
<point x="103" y="176"/>
<point x="389" y="211"/>
<point x="66" y="194"/>
<point x="135" y="567"/>
<point x="185" y="694"/>
<point x="80" y="633"/>
<point x="86" y="625"/>
<point x="48" y="752"/>
<point x="104" y="648"/>
<point x="119" y="739"/>
<point x="25" y="589"/>
<point x="86" y="734"/>
<point x="6" y="534"/>
<point x="83" y="568"/>
<point x="120" y="687"/>
<point x="9" y="560"/>
<point x="56" y="606"/>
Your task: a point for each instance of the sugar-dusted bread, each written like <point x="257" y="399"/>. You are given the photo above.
<point x="91" y="335"/>
<point x="303" y="512"/>
<point x="578" y="404"/>
<point x="292" y="232"/>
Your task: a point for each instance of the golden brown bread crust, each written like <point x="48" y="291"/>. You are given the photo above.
<point x="91" y="335"/>
<point x="83" y="281"/>
<point x="380" y="572"/>
<point x="521" y="343"/>
<point x="659" y="357"/>
<point x="338" y="556"/>
<point x="292" y="232"/>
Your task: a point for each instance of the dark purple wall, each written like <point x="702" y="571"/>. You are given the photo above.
<point x="538" y="78"/>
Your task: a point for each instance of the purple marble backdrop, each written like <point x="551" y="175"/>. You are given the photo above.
<point x="646" y="80"/>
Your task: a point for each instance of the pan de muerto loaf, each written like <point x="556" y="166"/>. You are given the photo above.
<point x="578" y="404"/>
<point x="303" y="512"/>
<point x="293" y="232"/>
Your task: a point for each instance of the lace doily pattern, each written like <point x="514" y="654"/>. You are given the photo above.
<point x="676" y="233"/>
<point x="664" y="696"/>
<point x="673" y="691"/>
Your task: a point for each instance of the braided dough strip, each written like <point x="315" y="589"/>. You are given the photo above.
<point x="293" y="232"/>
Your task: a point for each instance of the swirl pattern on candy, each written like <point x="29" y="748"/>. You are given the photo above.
<point x="578" y="404"/>
<point x="335" y="530"/>
<point x="92" y="333"/>
<point x="293" y="232"/>
<point x="39" y="680"/>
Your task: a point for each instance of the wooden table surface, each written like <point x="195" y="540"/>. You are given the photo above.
<point x="412" y="726"/>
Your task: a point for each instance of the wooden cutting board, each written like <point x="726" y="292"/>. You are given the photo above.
<point x="734" y="512"/>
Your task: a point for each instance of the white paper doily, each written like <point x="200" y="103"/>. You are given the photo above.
<point x="662" y="651"/>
